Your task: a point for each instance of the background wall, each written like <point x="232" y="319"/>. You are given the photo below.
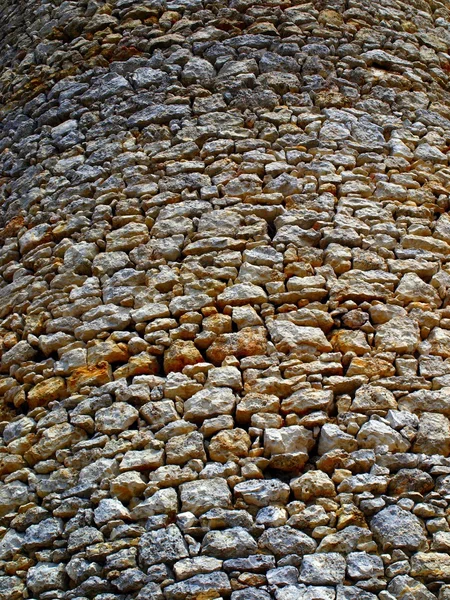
<point x="224" y="321"/>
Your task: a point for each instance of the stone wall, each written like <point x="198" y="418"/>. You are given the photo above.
<point x="224" y="300"/>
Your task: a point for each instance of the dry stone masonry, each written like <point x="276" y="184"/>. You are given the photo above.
<point x="225" y="299"/>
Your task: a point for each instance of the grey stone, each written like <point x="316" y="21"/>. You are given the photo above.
<point x="11" y="588"/>
<point x="43" y="534"/>
<point x="198" y="586"/>
<point x="200" y="496"/>
<point x="285" y="540"/>
<point x="198" y="70"/>
<point x="164" y="545"/>
<point x="12" y="542"/>
<point x="322" y="569"/>
<point x="230" y="543"/>
<point x="116" y="418"/>
<point x="109" y="509"/>
<point x="404" y="586"/>
<point x="83" y="537"/>
<point x="44" y="577"/>
<point x="303" y="592"/>
<point x="282" y="576"/>
<point x="262" y="492"/>
<point x="394" y="527"/>
<point x="159" y="113"/>
<point x="187" y="567"/>
<point x="209" y="403"/>
<point x="352" y="592"/>
<point x="250" y="594"/>
<point x="361" y="565"/>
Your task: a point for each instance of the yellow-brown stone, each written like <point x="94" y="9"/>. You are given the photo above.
<point x="46" y="391"/>
<point x="181" y="354"/>
<point x="89" y="376"/>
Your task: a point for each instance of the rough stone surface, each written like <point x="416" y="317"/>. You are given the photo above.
<point x="224" y="300"/>
<point x="323" y="569"/>
<point x="394" y="527"/>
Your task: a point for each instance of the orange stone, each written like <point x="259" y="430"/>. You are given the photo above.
<point x="46" y="391"/>
<point x="249" y="341"/>
<point x="180" y="354"/>
<point x="89" y="376"/>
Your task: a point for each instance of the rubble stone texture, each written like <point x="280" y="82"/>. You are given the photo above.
<point x="225" y="299"/>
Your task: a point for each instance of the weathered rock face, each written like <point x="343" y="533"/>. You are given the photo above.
<point x="224" y="300"/>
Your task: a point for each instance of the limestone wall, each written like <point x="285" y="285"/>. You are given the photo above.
<point x="224" y="300"/>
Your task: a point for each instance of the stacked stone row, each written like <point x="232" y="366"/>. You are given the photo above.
<point x="224" y="300"/>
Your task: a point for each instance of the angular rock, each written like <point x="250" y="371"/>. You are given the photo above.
<point x="289" y="337"/>
<point x="249" y="341"/>
<point x="433" y="436"/>
<point x="209" y="403"/>
<point x="235" y="542"/>
<point x="361" y="565"/>
<point x="117" y="418"/>
<point x="322" y="569"/>
<point x="180" y="354"/>
<point x="394" y="527"/>
<point x="285" y="540"/>
<point x="163" y="545"/>
<point x="400" y="335"/>
<point x="45" y="577"/>
<point x="430" y="565"/>
<point x="199" y="496"/>
<point x="262" y="492"/>
<point x="314" y="484"/>
<point x="288" y="447"/>
<point x="375" y="433"/>
<point x="203" y="585"/>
